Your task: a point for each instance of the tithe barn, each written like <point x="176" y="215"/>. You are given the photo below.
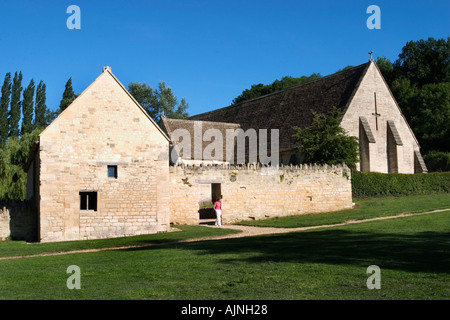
<point x="101" y="169"/>
<point x="369" y="112"/>
<point x="104" y="169"/>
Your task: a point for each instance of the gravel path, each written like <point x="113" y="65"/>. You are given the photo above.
<point x="246" y="231"/>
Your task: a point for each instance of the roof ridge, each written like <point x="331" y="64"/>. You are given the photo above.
<point x="287" y="89"/>
<point x="204" y="121"/>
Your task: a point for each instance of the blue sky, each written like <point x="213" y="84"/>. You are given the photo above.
<point x="208" y="51"/>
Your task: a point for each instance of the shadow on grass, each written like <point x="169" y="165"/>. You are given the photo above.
<point x="419" y="252"/>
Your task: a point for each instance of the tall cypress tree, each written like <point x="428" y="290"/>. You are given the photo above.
<point x="4" y="104"/>
<point x="68" y="96"/>
<point x="40" y="109"/>
<point x="14" y="111"/>
<point x="27" y="108"/>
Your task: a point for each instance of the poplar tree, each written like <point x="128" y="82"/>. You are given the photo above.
<point x="4" y="104"/>
<point x="14" y="111"/>
<point x="40" y="109"/>
<point x="68" y="96"/>
<point x="27" y="108"/>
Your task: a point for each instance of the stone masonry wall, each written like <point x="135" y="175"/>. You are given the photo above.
<point x="102" y="127"/>
<point x="18" y="221"/>
<point x="363" y="104"/>
<point x="252" y="192"/>
<point x="5" y="219"/>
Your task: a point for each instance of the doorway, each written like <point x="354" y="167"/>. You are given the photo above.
<point x="210" y="194"/>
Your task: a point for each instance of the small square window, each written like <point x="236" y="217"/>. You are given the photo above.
<point x="112" y="172"/>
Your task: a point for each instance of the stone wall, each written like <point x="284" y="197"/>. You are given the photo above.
<point x="5" y="219"/>
<point x="103" y="127"/>
<point x="18" y="221"/>
<point x="382" y="154"/>
<point x="253" y="192"/>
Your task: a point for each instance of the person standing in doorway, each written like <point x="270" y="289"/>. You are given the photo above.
<point x="218" y="210"/>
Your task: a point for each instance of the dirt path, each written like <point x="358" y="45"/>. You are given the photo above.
<point x="246" y="231"/>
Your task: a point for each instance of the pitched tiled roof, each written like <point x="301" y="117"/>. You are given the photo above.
<point x="292" y="106"/>
<point x="170" y="125"/>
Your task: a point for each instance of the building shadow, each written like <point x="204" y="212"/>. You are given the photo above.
<point x="207" y="216"/>
<point x="423" y="252"/>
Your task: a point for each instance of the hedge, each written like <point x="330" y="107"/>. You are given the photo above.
<point x="372" y="184"/>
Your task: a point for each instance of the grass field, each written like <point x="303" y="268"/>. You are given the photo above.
<point x="20" y="248"/>
<point x="365" y="209"/>
<point x="412" y="253"/>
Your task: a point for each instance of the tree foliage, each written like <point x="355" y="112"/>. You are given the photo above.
<point x="420" y="82"/>
<point x="28" y="108"/>
<point x="4" y="105"/>
<point x="41" y="118"/>
<point x="258" y="90"/>
<point x="431" y="121"/>
<point x="424" y="62"/>
<point x="437" y="161"/>
<point x="13" y="158"/>
<point x="68" y="96"/>
<point x="326" y="142"/>
<point x="14" y="110"/>
<point x="159" y="101"/>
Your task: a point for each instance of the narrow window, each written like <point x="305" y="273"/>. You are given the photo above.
<point x="83" y="200"/>
<point x="112" y="172"/>
<point x="88" y="200"/>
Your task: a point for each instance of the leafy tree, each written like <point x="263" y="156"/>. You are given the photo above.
<point x="424" y="61"/>
<point x="4" y="105"/>
<point x="437" y="161"/>
<point x="13" y="157"/>
<point x="27" y="108"/>
<point x="146" y="96"/>
<point x="168" y="103"/>
<point x="12" y="177"/>
<point x="431" y="120"/>
<point x="50" y="116"/>
<point x="258" y="90"/>
<point x="386" y="68"/>
<point x="40" y="109"/>
<point x="346" y="68"/>
<point x="405" y="94"/>
<point x="326" y="142"/>
<point x="68" y="96"/>
<point x="14" y="111"/>
<point x="159" y="101"/>
<point x="419" y="80"/>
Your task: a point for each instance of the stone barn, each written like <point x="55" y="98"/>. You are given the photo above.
<point x="369" y="112"/>
<point x="105" y="169"/>
<point x="101" y="169"/>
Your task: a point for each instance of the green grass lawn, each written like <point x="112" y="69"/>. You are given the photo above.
<point x="412" y="252"/>
<point x="19" y="248"/>
<point x="365" y="209"/>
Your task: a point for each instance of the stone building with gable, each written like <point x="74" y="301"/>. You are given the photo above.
<point x="369" y="112"/>
<point x="100" y="169"/>
<point x="103" y="168"/>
